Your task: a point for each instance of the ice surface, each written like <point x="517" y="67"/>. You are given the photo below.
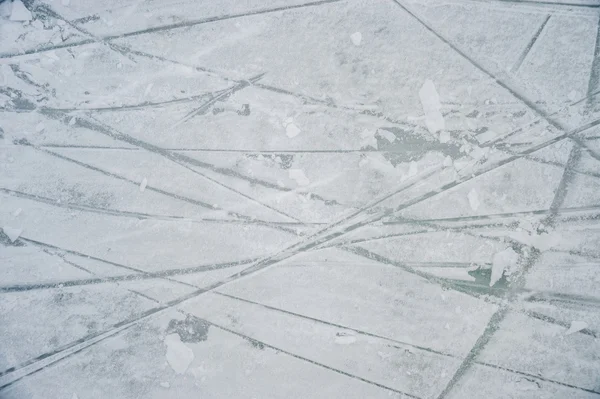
<point x="299" y="199"/>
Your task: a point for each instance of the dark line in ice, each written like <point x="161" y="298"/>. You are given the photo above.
<point x="552" y="320"/>
<point x="545" y="3"/>
<point x="159" y="28"/>
<point x="186" y="24"/>
<point x="314" y="362"/>
<point x="530" y="45"/>
<point x="492" y="326"/>
<point x="143" y="105"/>
<point x="334" y="324"/>
<point x="530" y="104"/>
<point x="594" y="80"/>
<point x="559" y="211"/>
<point x="140" y="215"/>
<point x="128" y="277"/>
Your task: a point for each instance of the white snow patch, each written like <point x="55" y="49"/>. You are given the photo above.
<point x="368" y="139"/>
<point x="430" y="99"/>
<point x="74" y="396"/>
<point x="542" y="242"/>
<point x="576" y="326"/>
<point x="148" y="89"/>
<point x="299" y="176"/>
<point x="65" y="2"/>
<point x="178" y="354"/>
<point x="165" y="384"/>
<point x="344" y="339"/>
<point x="17" y="212"/>
<point x="444" y="136"/>
<point x="143" y="184"/>
<point x="386" y="134"/>
<point x="503" y="261"/>
<point x="19" y="12"/>
<point x="473" y="199"/>
<point x="356" y="38"/>
<point x="72" y="121"/>
<point x="292" y="130"/>
<point x="413" y="169"/>
<point x="448" y="161"/>
<point x="12" y="233"/>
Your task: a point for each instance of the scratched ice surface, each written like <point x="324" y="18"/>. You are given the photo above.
<point x="299" y="199"/>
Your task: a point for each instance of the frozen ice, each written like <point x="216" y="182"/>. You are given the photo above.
<point x="39" y="127"/>
<point x="19" y="12"/>
<point x="430" y="100"/>
<point x="165" y="384"/>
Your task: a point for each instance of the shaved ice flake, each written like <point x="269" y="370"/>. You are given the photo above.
<point x="143" y="184"/>
<point x="299" y="176"/>
<point x="356" y="38"/>
<point x="504" y="261"/>
<point x="179" y="355"/>
<point x="12" y="233"/>
<point x="473" y="198"/>
<point x="430" y="100"/>
<point x="19" y="12"/>
<point x="576" y="326"/>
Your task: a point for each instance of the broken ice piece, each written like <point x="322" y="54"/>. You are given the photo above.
<point x="165" y="384"/>
<point x="17" y="212"/>
<point x="299" y="176"/>
<point x="19" y="12"/>
<point x="448" y="161"/>
<point x="430" y="100"/>
<point x="386" y="134"/>
<point x="179" y="355"/>
<point x="292" y="130"/>
<point x="344" y="339"/>
<point x="12" y="233"/>
<point x="503" y="261"/>
<point x="72" y="121"/>
<point x="39" y="127"/>
<point x="143" y="184"/>
<point x="444" y="136"/>
<point x="356" y="38"/>
<point x="473" y="199"/>
<point x="576" y="326"/>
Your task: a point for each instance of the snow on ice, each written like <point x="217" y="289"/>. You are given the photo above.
<point x="19" y="12"/>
